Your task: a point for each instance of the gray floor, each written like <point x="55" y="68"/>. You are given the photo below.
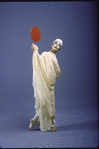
<point x="77" y="127"/>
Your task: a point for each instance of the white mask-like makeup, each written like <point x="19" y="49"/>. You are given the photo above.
<point x="56" y="45"/>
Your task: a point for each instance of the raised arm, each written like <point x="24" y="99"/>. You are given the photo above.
<point x="34" y="47"/>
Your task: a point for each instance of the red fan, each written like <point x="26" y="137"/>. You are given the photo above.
<point x="35" y="34"/>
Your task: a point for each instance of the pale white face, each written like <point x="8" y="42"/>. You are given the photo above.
<point x="55" y="47"/>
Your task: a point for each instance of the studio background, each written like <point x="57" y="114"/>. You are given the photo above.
<point x="73" y="22"/>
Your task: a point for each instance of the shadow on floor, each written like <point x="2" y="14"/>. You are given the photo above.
<point x="79" y="126"/>
<point x="21" y="123"/>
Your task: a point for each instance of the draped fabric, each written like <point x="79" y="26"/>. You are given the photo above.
<point x="45" y="73"/>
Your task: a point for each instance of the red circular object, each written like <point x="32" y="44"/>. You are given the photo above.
<point x="35" y="34"/>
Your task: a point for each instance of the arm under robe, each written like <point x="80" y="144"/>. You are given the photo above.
<point x="45" y="73"/>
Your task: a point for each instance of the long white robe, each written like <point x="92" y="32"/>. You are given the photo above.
<point x="45" y="73"/>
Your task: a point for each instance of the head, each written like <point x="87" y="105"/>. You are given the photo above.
<point x="56" y="45"/>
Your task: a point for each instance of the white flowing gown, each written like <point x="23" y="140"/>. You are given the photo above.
<point x="45" y="73"/>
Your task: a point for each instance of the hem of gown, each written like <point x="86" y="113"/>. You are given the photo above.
<point x="45" y="130"/>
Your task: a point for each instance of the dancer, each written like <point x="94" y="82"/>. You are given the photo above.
<point x="46" y="71"/>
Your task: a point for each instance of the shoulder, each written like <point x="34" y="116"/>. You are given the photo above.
<point x="44" y="53"/>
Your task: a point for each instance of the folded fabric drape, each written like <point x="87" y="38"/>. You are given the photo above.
<point x="45" y="73"/>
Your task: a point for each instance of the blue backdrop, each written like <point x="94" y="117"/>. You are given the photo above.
<point x="73" y="22"/>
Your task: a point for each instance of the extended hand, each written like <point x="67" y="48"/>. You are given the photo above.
<point x="34" y="47"/>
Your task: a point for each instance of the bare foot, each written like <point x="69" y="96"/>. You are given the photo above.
<point x="31" y="125"/>
<point x="53" y="129"/>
